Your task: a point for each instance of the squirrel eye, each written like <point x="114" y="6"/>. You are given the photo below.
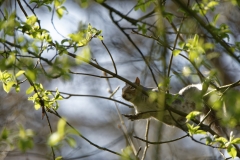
<point x="131" y="87"/>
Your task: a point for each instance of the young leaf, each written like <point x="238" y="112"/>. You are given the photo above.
<point x="208" y="140"/>
<point x="205" y="86"/>
<point x="236" y="141"/>
<point x="232" y="151"/>
<point x="19" y="73"/>
<point x="61" y="126"/>
<point x="31" y="20"/>
<point x="221" y="140"/>
<point x="176" y="52"/>
<point x="71" y="142"/>
<point x="58" y="3"/>
<point x="60" y="11"/>
<point x="4" y="134"/>
<point x="200" y="132"/>
<point x="30" y="90"/>
<point x="25" y="139"/>
<point x="7" y="87"/>
<point x="59" y="158"/>
<point x="17" y="88"/>
<point x="54" y="139"/>
<point x="85" y="53"/>
<point x="37" y="105"/>
<point x="58" y="96"/>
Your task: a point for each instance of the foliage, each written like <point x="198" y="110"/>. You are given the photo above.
<point x="22" y="139"/>
<point x="9" y="80"/>
<point x="194" y="31"/>
<point x="61" y="134"/>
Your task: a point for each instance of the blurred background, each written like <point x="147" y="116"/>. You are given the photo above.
<point x="98" y="119"/>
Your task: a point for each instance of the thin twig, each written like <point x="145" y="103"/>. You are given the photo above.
<point x="188" y="10"/>
<point x="162" y="142"/>
<point x="50" y="127"/>
<point x="114" y="65"/>
<point x="38" y="21"/>
<point x="105" y="70"/>
<point x="115" y="91"/>
<point x="83" y="137"/>
<point x="87" y="95"/>
<point x="87" y="74"/>
<point x="175" y="43"/>
<point x="20" y="5"/>
<point x="54" y="24"/>
<point x="135" y="46"/>
<point x="41" y="101"/>
<point x="146" y="138"/>
<point x="223" y="88"/>
<point x="123" y="126"/>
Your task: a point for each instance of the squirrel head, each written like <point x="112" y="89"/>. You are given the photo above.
<point x="129" y="92"/>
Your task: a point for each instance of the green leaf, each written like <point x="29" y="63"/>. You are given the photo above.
<point x="71" y="142"/>
<point x="64" y="40"/>
<point x="168" y="16"/>
<point x="215" y="19"/>
<point x="85" y="53"/>
<point x="192" y="115"/>
<point x="59" y="8"/>
<point x="37" y="105"/>
<point x="84" y="3"/>
<point x="59" y="158"/>
<point x="30" y="90"/>
<point x="61" y="126"/>
<point x="100" y="1"/>
<point x="194" y="130"/>
<point x="232" y="151"/>
<point x="17" y="88"/>
<point x="205" y="86"/>
<point x="195" y="40"/>
<point x="212" y="4"/>
<point x="199" y="131"/>
<point x="4" y="134"/>
<point x="181" y="44"/>
<point x="186" y="71"/>
<point x="60" y="12"/>
<point x="142" y="5"/>
<point x="31" y="20"/>
<point x="58" y="3"/>
<point x="172" y="98"/>
<point x="25" y="139"/>
<point x="190" y="129"/>
<point x="142" y="28"/>
<point x="127" y="153"/>
<point x="19" y="73"/>
<point x="236" y="141"/>
<point x="83" y="37"/>
<point x="58" y="136"/>
<point x="208" y="140"/>
<point x="31" y="74"/>
<point x="100" y="37"/>
<point x="7" y="87"/>
<point x="54" y="139"/>
<point x="58" y="96"/>
<point x="221" y="140"/>
<point x="49" y="8"/>
<point x="176" y="52"/>
<point x="76" y="37"/>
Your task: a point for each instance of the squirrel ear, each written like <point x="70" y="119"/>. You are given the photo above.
<point x="137" y="81"/>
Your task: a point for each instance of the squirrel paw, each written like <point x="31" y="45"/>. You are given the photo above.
<point x="132" y="117"/>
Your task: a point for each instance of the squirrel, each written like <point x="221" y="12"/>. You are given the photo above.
<point x="155" y="104"/>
